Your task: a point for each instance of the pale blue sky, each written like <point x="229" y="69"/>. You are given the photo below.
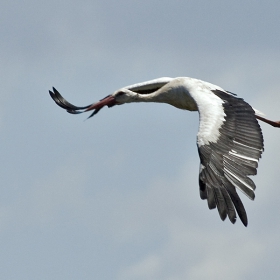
<point x="116" y="196"/>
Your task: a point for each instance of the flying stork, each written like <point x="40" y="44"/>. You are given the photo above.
<point x="229" y="139"/>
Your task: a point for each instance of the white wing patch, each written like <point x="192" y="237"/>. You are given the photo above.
<point x="211" y="112"/>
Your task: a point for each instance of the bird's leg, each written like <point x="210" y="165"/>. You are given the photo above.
<point x="275" y="124"/>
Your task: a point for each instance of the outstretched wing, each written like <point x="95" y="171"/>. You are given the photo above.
<point x="229" y="151"/>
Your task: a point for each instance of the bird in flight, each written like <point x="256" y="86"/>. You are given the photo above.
<point x="229" y="139"/>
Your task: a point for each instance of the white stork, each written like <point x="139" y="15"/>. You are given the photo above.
<point x="229" y="139"/>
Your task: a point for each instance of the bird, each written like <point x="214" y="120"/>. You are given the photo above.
<point x="229" y="139"/>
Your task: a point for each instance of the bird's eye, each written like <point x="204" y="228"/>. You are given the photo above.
<point x="120" y="93"/>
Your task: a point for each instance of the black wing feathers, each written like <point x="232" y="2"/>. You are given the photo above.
<point x="226" y="164"/>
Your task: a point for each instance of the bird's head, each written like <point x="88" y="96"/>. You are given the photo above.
<point x="125" y="96"/>
<point x="117" y="98"/>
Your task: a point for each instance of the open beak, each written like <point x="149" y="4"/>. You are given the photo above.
<point x="109" y="101"/>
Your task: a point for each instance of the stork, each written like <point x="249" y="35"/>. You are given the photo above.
<point x="229" y="139"/>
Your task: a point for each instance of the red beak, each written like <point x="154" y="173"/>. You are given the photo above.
<point x="107" y="101"/>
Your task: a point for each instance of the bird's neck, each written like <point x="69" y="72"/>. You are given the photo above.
<point x="177" y="97"/>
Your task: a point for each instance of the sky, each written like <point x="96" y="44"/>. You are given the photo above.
<point x="116" y="196"/>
